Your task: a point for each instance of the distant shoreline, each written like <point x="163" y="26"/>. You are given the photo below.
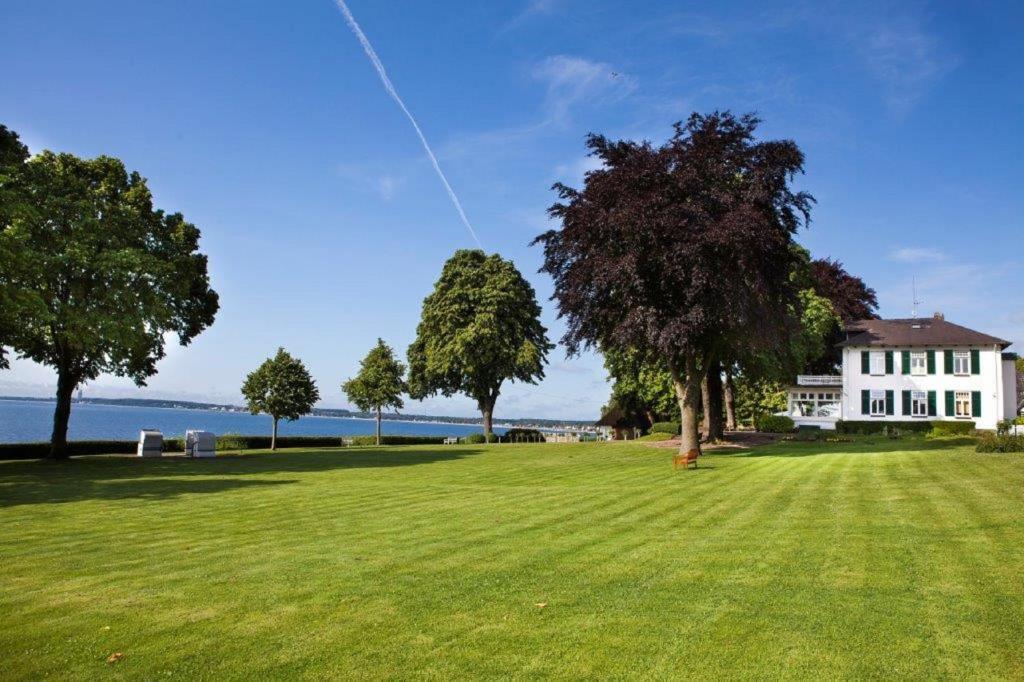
<point x="329" y="413"/>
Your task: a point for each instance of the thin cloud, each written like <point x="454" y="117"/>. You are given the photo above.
<point x="575" y="80"/>
<point x="915" y="254"/>
<point x="906" y="60"/>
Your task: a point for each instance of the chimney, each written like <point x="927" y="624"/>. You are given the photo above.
<point x="939" y="316"/>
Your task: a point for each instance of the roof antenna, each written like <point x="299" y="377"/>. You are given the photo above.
<point x="915" y="301"/>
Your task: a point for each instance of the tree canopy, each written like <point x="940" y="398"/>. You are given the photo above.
<point x="94" y="276"/>
<point x="379" y="384"/>
<point x="851" y="298"/>
<point x="478" y="328"/>
<point x="281" y="387"/>
<point x="680" y="251"/>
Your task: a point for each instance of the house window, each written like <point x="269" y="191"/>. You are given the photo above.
<point x="877" y="362"/>
<point x="878" y="403"/>
<point x="962" y="404"/>
<point x="961" y="362"/>
<point x="918" y="363"/>
<point x="919" y="403"/>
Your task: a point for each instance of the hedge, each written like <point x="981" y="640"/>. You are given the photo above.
<point x="227" y="442"/>
<point x="773" y="423"/>
<point x="397" y="440"/>
<point x="953" y="428"/>
<point x="867" y="428"/>
<point x="672" y="428"/>
<point x="990" y="442"/>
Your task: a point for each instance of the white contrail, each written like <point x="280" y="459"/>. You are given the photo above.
<point x="375" y="60"/>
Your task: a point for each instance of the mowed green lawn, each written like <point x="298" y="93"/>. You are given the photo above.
<point x="873" y="559"/>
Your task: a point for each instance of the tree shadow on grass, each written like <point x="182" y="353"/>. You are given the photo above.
<point x="36" y="481"/>
<point x="41" y="491"/>
<point x="865" y="445"/>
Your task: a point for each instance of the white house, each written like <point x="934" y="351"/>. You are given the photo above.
<point x="905" y="370"/>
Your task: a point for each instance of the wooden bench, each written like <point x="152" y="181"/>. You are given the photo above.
<point x="686" y="459"/>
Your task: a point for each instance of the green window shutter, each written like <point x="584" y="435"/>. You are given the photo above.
<point x="888" y="362"/>
<point x="905" y="355"/>
<point x="975" y="362"/>
<point x="931" y="362"/>
<point x="975" y="403"/>
<point x="890" y="408"/>
<point x="865" y="401"/>
<point x="906" y="403"/>
<point x="865" y="362"/>
<point x="950" y="409"/>
<point x="932" y="411"/>
<point x="947" y="362"/>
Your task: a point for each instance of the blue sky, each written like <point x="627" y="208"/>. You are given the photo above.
<point x="264" y="123"/>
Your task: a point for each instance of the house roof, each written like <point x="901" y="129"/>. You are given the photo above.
<point x="926" y="331"/>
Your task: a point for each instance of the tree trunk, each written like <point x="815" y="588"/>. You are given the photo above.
<point x="273" y="436"/>
<point x="730" y="402"/>
<point x="687" y="387"/>
<point x="714" y="428"/>
<point x="62" y="414"/>
<point x="378" y="425"/>
<point x="486" y="405"/>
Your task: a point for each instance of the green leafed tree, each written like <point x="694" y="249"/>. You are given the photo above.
<point x="281" y="387"/>
<point x="13" y="155"/>
<point x="94" y="277"/>
<point x="640" y="386"/>
<point x="379" y="384"/>
<point x="479" y="328"/>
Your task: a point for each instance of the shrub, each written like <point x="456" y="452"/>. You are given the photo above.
<point x="867" y="428"/>
<point x="517" y="435"/>
<point x="990" y="442"/>
<point x="1004" y="427"/>
<point x="478" y="439"/>
<point x="1019" y="421"/>
<point x="773" y="423"/>
<point x="808" y="432"/>
<point x="953" y="429"/>
<point x="654" y="437"/>
<point x="395" y="440"/>
<point x="666" y="427"/>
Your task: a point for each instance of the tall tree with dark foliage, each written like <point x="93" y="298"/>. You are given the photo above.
<point x="680" y="250"/>
<point x="851" y="298"/>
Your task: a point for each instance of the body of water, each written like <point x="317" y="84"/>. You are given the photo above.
<point x="23" y="421"/>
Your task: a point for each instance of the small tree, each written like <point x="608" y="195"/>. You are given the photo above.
<point x="92" y="277"/>
<point x="282" y="388"/>
<point x="479" y="327"/>
<point x="379" y="383"/>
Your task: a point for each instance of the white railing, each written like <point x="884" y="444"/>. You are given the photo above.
<point x="819" y="380"/>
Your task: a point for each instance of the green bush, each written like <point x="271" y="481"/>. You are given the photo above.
<point x="397" y="440"/>
<point x="478" y="439"/>
<point x="772" y="423"/>
<point x="666" y="427"/>
<point x="1019" y="421"/>
<point x="868" y="428"/>
<point x="808" y="432"/>
<point x="518" y="435"/>
<point x="990" y="442"/>
<point x="227" y="442"/>
<point x="953" y="428"/>
<point x="655" y="437"/>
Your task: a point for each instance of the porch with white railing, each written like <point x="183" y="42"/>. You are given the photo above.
<point x="819" y="380"/>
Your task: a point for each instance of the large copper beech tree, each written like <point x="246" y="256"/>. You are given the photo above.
<point x="681" y="251"/>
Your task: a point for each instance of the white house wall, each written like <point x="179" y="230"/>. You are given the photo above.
<point x="1009" y="389"/>
<point x="989" y="382"/>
